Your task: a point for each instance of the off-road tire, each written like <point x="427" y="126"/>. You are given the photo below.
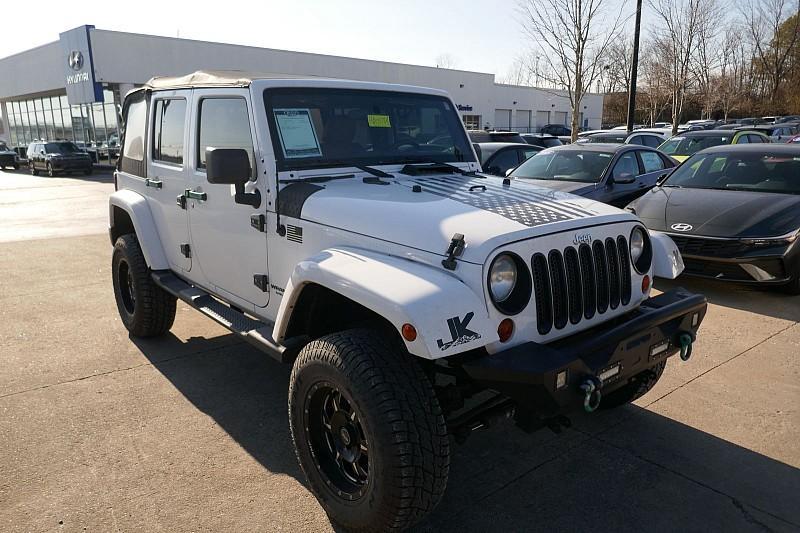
<point x="637" y="387"/>
<point x="402" y="421"/>
<point x="152" y="310"/>
<point x="34" y="171"/>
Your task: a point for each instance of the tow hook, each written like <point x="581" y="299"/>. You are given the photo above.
<point x="686" y="346"/>
<point x="591" y="393"/>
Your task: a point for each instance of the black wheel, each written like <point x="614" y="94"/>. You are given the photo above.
<point x="793" y="287"/>
<point x="638" y="386"/>
<point x="50" y="171"/>
<point x="145" y="308"/>
<point x="34" y="171"/>
<point x="368" y="431"/>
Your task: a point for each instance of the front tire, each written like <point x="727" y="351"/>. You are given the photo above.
<point x="34" y="171"/>
<point x="368" y="431"/>
<point x="637" y="387"/>
<point x="146" y="309"/>
<point x="50" y="171"/>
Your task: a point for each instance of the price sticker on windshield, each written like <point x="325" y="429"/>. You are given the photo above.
<point x="378" y="121"/>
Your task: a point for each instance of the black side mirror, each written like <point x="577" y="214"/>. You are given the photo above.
<point x="228" y="166"/>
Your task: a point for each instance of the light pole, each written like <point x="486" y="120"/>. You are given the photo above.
<point x="634" y="67"/>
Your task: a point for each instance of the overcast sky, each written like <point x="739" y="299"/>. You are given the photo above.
<point x="480" y="35"/>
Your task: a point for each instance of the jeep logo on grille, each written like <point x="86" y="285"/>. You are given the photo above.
<point x="582" y="238"/>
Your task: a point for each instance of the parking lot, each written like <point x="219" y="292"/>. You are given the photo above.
<point x="102" y="432"/>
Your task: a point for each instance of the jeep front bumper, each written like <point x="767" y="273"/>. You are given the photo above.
<point x="547" y="379"/>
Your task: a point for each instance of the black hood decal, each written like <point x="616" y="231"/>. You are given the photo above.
<point x="518" y="203"/>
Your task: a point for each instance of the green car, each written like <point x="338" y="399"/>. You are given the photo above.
<point x="681" y="146"/>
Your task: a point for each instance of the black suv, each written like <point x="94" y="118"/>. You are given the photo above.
<point x="483" y="136"/>
<point x="58" y="156"/>
<point x="8" y="157"/>
<point x="559" y="130"/>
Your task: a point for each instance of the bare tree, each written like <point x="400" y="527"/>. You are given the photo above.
<point x="772" y="48"/>
<point x="706" y="59"/>
<point x="446" y="61"/>
<point x="679" y="24"/>
<point x="521" y="72"/>
<point x="571" y="38"/>
<point x="656" y="92"/>
<point x="729" y="82"/>
<point x="618" y="62"/>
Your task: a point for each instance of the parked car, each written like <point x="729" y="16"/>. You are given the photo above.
<point x="611" y="173"/>
<point x="788" y="118"/>
<point x="779" y="133"/>
<point x="750" y="121"/>
<point x="794" y="140"/>
<point x="403" y="290"/>
<point x="499" y="158"/>
<point x="731" y="126"/>
<point x="542" y="139"/>
<point x="559" y="130"/>
<point x="734" y="212"/>
<point x="612" y="137"/>
<point x="592" y="132"/>
<point x="685" y="144"/>
<point x="8" y="157"/>
<point x="483" y="136"/>
<point x="58" y="156"/>
<point x="652" y="138"/>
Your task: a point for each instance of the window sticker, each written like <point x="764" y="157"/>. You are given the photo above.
<point x="378" y="121"/>
<point x="297" y="133"/>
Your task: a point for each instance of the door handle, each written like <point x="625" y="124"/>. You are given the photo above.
<point x="156" y="183"/>
<point x="195" y="195"/>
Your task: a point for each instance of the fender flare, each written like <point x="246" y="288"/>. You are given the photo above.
<point x="136" y="206"/>
<point x="667" y="259"/>
<point x="448" y="316"/>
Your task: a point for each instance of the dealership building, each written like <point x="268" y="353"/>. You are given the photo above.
<point x="71" y="88"/>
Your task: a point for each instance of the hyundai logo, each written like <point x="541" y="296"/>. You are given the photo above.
<point x="75" y="60"/>
<point x="584" y="238"/>
<point x="681" y="226"/>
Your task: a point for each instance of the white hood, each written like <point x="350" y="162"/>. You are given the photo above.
<point x="484" y="210"/>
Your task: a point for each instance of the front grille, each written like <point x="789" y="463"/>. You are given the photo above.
<point x="708" y="247"/>
<point x="579" y="283"/>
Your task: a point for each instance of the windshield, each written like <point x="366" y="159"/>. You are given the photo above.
<point x="313" y="128"/>
<point x="566" y="165"/>
<point x="776" y="172"/>
<point x="690" y="145"/>
<point x="61" y="148"/>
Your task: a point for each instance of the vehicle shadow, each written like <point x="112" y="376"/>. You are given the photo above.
<point x="624" y="469"/>
<point x="98" y="175"/>
<point x="762" y="301"/>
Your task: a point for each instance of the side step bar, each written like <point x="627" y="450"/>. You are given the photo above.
<point x="254" y="331"/>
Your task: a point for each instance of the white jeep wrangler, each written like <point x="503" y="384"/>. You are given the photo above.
<point x="344" y="228"/>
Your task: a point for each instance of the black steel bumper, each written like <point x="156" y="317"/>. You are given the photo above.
<point x="7" y="160"/>
<point x="528" y="373"/>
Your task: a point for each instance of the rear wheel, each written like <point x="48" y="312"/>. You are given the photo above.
<point x="146" y="309"/>
<point x="16" y="166"/>
<point x="637" y="387"/>
<point x="32" y="168"/>
<point x="368" y="431"/>
<point x="50" y="171"/>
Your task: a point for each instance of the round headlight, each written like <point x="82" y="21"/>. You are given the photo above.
<point x="641" y="250"/>
<point x="637" y="244"/>
<point x="502" y="278"/>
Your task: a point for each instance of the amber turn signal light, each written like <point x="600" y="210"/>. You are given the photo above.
<point x="505" y="329"/>
<point x="409" y="332"/>
<point x="645" y="284"/>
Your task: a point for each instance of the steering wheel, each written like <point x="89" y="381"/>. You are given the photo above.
<point x="412" y="144"/>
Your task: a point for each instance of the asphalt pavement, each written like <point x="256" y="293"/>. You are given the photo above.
<point x="102" y="432"/>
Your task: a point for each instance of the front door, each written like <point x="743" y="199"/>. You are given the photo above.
<point x="230" y="252"/>
<point x="167" y="174"/>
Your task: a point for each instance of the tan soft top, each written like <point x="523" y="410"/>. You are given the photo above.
<point x="216" y="78"/>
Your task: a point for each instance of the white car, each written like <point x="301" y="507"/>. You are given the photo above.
<point x="649" y="137"/>
<point x="414" y="297"/>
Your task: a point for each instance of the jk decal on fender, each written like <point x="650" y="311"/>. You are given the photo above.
<point x="459" y="332"/>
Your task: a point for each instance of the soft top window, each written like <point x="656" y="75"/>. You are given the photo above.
<point x="314" y="128"/>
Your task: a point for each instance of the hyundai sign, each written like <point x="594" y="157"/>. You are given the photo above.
<point x="78" y="67"/>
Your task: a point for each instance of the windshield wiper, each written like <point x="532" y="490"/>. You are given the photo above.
<point x="434" y="164"/>
<point x="319" y="179"/>
<point x="378" y="173"/>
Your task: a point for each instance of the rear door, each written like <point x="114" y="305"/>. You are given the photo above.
<point x="167" y="173"/>
<point x="230" y="252"/>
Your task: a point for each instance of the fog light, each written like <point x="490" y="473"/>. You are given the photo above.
<point x="610" y="372"/>
<point x="659" y="348"/>
<point x="505" y="329"/>
<point x="561" y="379"/>
<point x="645" y="284"/>
<point x="409" y="332"/>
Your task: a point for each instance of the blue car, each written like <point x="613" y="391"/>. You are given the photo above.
<point x="615" y="174"/>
